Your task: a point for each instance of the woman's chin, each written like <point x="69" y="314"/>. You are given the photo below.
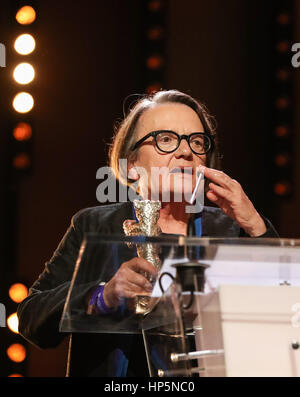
<point x="172" y="195"/>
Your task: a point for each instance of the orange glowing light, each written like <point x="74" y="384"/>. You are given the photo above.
<point x="283" y="19"/>
<point x="281" y="131"/>
<point x="16" y="352"/>
<point x="13" y="323"/>
<point x="154" y="5"/>
<point x="22" y="132"/>
<point x="281" y="160"/>
<point x="282" y="103"/>
<point x="26" y="15"/>
<point x="155" y="33"/>
<point x="21" y="161"/>
<point x="282" y="74"/>
<point x="18" y="292"/>
<point x="154" y="62"/>
<point x="152" y="88"/>
<point x="282" y="188"/>
<point x="15" y="376"/>
<point x="283" y="46"/>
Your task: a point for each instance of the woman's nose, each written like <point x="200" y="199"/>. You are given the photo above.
<point x="183" y="149"/>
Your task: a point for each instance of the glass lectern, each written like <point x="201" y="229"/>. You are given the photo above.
<point x="219" y="307"/>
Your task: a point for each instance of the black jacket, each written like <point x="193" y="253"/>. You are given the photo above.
<point x="40" y="313"/>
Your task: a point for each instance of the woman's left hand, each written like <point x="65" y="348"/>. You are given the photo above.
<point x="228" y="194"/>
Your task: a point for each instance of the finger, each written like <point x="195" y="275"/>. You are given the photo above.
<point x="128" y="293"/>
<point x="140" y="264"/>
<point x="137" y="289"/>
<point x="212" y="196"/>
<point x="220" y="192"/>
<point x="219" y="201"/>
<point x="139" y="280"/>
<point x="128" y="289"/>
<point x="219" y="177"/>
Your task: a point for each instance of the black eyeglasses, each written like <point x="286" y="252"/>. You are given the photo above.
<point x="168" y="141"/>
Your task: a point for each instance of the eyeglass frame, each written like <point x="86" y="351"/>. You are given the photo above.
<point x="180" y="137"/>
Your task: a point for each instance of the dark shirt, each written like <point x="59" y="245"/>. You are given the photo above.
<point x="40" y="313"/>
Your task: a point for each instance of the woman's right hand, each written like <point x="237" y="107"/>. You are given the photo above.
<point x="129" y="282"/>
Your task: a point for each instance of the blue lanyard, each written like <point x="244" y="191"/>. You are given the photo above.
<point x="198" y="224"/>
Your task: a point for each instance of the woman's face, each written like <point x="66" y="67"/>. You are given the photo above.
<point x="177" y="169"/>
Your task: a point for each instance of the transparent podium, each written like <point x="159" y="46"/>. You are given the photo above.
<point x="219" y="307"/>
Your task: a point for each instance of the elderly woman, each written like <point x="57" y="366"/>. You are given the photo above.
<point x="169" y="130"/>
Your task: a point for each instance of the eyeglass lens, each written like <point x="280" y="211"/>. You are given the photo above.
<point x="169" y="141"/>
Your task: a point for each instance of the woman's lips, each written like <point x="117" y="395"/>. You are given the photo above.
<point x="182" y="170"/>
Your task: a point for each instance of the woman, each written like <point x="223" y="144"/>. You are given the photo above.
<point x="169" y="130"/>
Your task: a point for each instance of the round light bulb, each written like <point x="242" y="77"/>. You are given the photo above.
<point x="24" y="73"/>
<point x="23" y="102"/>
<point x="24" y="44"/>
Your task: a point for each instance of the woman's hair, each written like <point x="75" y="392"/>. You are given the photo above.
<point x="125" y="137"/>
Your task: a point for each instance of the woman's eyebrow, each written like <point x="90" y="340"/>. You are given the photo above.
<point x="180" y="132"/>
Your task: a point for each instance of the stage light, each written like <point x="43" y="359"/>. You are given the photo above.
<point x="281" y="131"/>
<point x="16" y="352"/>
<point x="22" y="132"/>
<point x="282" y="74"/>
<point x="21" y="161"/>
<point x="155" y="33"/>
<point x="283" y="46"/>
<point x="152" y="88"/>
<point x="24" y="73"/>
<point x="282" y="103"/>
<point x="283" y="19"/>
<point x="281" y="159"/>
<point x="282" y="188"/>
<point x="23" y="102"/>
<point x="154" y="62"/>
<point x="24" y="44"/>
<point x="26" y="15"/>
<point x="13" y="323"/>
<point x="154" y="5"/>
<point x="18" y="292"/>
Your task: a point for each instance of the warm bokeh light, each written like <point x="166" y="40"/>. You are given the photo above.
<point x="282" y="188"/>
<point x="154" y="62"/>
<point x="21" y="161"/>
<point x="13" y="323"/>
<point x="282" y="74"/>
<point x="152" y="88"/>
<point x="281" y="159"/>
<point x="24" y="44"/>
<point x="18" y="292"/>
<point x="155" y="33"/>
<point x="26" y="15"/>
<point x="16" y="352"/>
<point x="15" y="376"/>
<point x="23" y="102"/>
<point x="281" y="131"/>
<point x="24" y="73"/>
<point x="154" y="5"/>
<point x="22" y="132"/>
<point x="283" y="46"/>
<point x="282" y="103"/>
<point x="283" y="19"/>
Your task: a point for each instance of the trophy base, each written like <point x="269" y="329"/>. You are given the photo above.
<point x="144" y="304"/>
<point x="141" y="304"/>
